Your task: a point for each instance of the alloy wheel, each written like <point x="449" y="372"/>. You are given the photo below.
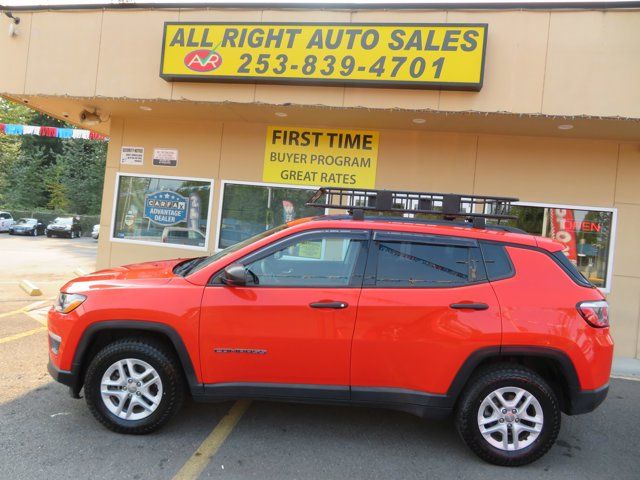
<point x="510" y="418"/>
<point x="131" y="389"/>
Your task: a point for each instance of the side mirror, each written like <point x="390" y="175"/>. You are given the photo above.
<point x="234" y="275"/>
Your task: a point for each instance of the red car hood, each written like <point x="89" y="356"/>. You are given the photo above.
<point x="149" y="272"/>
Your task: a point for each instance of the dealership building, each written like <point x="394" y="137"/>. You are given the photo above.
<point x="222" y="117"/>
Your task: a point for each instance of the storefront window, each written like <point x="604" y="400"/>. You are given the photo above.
<point x="586" y="235"/>
<point x="250" y="209"/>
<point x="162" y="210"/>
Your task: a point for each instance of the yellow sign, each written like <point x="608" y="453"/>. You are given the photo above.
<point x="446" y="56"/>
<point x="321" y="157"/>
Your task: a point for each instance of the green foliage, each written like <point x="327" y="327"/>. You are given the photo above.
<point x="9" y="146"/>
<point x="58" y="193"/>
<point x="43" y="172"/>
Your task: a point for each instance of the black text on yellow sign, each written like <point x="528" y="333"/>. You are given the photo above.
<point x="321" y="157"/>
<point x="446" y="56"/>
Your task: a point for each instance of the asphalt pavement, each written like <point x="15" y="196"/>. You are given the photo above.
<point x="44" y="433"/>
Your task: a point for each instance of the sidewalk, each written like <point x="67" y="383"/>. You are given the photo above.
<point x="626" y="367"/>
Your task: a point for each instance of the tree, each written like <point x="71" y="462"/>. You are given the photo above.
<point x="9" y="145"/>
<point x="47" y="172"/>
<point x="81" y="167"/>
<point x="58" y="193"/>
<point x="28" y="179"/>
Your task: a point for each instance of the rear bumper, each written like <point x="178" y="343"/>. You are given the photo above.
<point x="585" y="401"/>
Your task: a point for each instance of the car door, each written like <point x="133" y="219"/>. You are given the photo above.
<point x="425" y="307"/>
<point x="292" y="324"/>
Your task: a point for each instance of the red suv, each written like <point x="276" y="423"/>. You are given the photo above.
<point x="432" y="317"/>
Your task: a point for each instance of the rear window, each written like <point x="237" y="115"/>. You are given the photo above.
<point x="571" y="269"/>
<point x="497" y="261"/>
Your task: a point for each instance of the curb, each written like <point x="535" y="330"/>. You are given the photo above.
<point x="626" y="367"/>
<point x="80" y="272"/>
<point x="30" y="288"/>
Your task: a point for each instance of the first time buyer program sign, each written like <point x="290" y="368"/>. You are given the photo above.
<point x="321" y="157"/>
<point x="445" y="56"/>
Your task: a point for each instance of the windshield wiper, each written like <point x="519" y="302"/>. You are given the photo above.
<point x="185" y="267"/>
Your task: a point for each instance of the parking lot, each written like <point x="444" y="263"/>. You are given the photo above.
<point x="46" y="434"/>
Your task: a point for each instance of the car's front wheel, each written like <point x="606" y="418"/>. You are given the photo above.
<point x="508" y="415"/>
<point x="134" y="386"/>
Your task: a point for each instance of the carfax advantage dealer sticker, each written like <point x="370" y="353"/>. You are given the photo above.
<point x="446" y="56"/>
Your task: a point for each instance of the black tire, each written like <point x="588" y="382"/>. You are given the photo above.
<point x="48" y="235"/>
<point x="161" y="359"/>
<point x="491" y="379"/>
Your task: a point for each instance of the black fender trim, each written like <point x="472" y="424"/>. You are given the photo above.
<point x="578" y="401"/>
<point x="74" y="378"/>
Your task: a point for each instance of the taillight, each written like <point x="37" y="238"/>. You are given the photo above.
<point x="595" y="313"/>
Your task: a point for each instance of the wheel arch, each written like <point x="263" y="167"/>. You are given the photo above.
<point x="100" y="334"/>
<point x="551" y="364"/>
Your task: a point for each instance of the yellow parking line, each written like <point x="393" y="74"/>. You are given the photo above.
<point x="18" y="336"/>
<point x="13" y="312"/>
<point x="209" y="447"/>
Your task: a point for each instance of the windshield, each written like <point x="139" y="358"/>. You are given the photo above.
<point x="204" y="261"/>
<point x="64" y="220"/>
<point x="26" y="221"/>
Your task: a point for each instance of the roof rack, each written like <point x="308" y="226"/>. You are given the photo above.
<point x="474" y="209"/>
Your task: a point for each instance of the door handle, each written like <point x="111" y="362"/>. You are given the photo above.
<point x="336" y="305"/>
<point x="469" y="306"/>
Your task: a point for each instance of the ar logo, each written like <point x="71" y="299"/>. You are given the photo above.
<point x="203" y="60"/>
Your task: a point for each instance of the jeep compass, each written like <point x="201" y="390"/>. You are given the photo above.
<point x="420" y="302"/>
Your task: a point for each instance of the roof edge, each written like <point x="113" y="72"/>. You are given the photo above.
<point x="302" y="5"/>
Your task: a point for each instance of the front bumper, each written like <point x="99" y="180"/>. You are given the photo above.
<point x="67" y="378"/>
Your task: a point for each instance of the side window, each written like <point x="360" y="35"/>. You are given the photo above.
<point x="497" y="261"/>
<point x="319" y="260"/>
<point x="413" y="264"/>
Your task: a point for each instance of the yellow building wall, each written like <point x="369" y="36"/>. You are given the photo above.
<point x="546" y="170"/>
<point x="537" y="62"/>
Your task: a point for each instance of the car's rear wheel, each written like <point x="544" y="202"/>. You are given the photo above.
<point x="134" y="386"/>
<point x="508" y="415"/>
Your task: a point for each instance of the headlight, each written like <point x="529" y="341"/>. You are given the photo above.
<point x="68" y="302"/>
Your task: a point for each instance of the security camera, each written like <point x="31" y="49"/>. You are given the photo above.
<point x="90" y="118"/>
<point x="13" y="26"/>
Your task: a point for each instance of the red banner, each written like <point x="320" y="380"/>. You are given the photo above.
<point x="563" y="229"/>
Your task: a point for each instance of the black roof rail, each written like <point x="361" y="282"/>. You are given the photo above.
<point x="474" y="209"/>
<point x="425" y="221"/>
